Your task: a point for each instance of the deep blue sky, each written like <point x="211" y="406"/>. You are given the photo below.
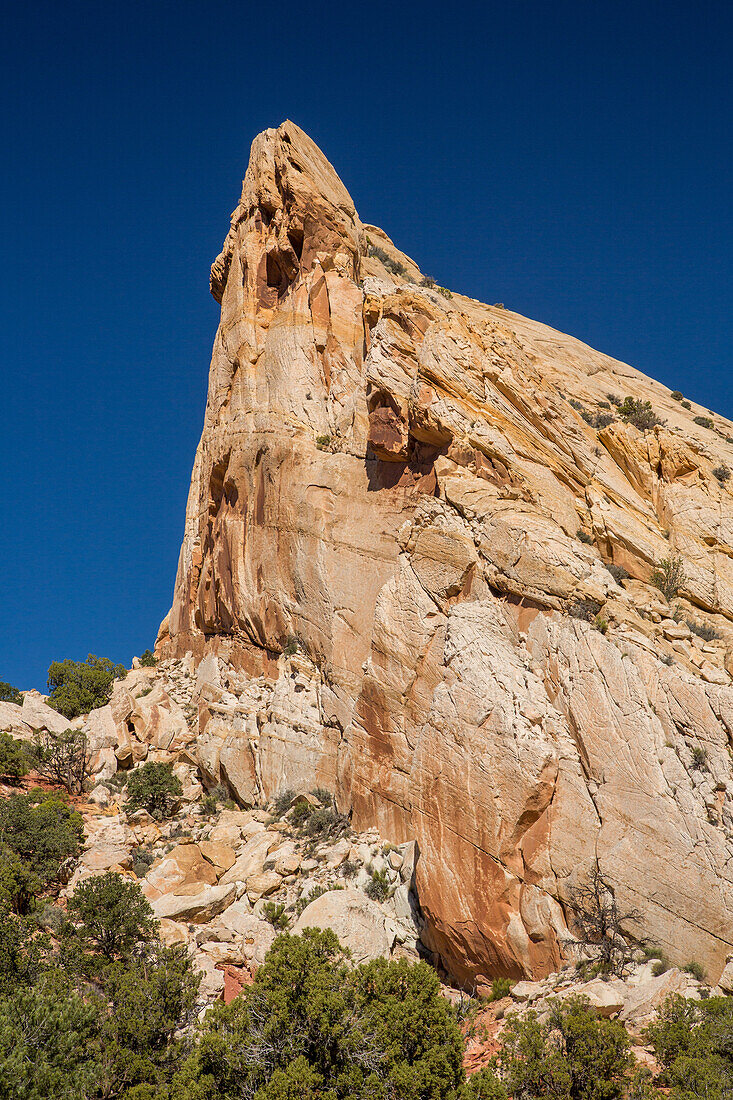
<point x="572" y="160"/>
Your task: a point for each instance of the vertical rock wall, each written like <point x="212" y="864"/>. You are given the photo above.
<point x="391" y="483"/>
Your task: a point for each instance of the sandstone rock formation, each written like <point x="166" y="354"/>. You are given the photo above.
<point x="402" y="515"/>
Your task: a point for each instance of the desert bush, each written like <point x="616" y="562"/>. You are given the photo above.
<point x="676" y="395"/>
<point x="154" y="787"/>
<point x="584" y="609"/>
<point x="692" y="1042"/>
<point x="148" y="659"/>
<point x="443" y="290"/>
<point x="377" y="888"/>
<point x="500" y="987"/>
<point x="695" y="969"/>
<point x="300" y="813"/>
<point x="699" y="757"/>
<point x="583" y="536"/>
<point x="349" y="869"/>
<point x="76" y="687"/>
<point x="617" y="572"/>
<point x="639" y="413"/>
<point x="14" y="762"/>
<point x="704" y="422"/>
<point x="427" y="281"/>
<point x="142" y="860"/>
<point x="722" y="473"/>
<point x="600" y="624"/>
<point x="274" y="913"/>
<point x="282" y="802"/>
<point x="395" y="267"/>
<point x="326" y="824"/>
<point x="63" y="758"/>
<point x="668" y="576"/>
<point x="216" y="797"/>
<point x="704" y="630"/>
<point x="322" y="442"/>
<point x="10" y="694"/>
<point x="594" y="419"/>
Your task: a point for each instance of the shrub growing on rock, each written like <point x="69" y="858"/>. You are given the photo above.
<point x="282" y="802"/>
<point x="584" y="609"/>
<point x="378" y="886"/>
<point x="14" y="763"/>
<point x="617" y="572"/>
<point x="10" y="694"/>
<point x="63" y="758"/>
<point x="76" y="687"/>
<point x="668" y="576"/>
<point x="148" y="659"/>
<point x="639" y="413"/>
<point x="154" y="787"/>
<point x="706" y="631"/>
<point x="274" y="913"/>
<point x="704" y="422"/>
<point x="692" y="1041"/>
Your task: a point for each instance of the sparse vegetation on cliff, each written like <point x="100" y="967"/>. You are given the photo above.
<point x="639" y="413"/>
<point x="668" y="576"/>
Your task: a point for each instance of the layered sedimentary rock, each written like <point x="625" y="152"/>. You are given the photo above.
<point x="401" y="517"/>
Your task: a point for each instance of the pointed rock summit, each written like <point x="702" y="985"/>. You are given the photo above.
<point x="490" y="585"/>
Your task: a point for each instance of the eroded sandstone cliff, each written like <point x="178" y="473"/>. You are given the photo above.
<point x="382" y="536"/>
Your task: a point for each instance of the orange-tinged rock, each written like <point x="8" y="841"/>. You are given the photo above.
<point x="396" y="477"/>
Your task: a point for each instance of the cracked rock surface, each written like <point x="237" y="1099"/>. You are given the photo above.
<point x="394" y="584"/>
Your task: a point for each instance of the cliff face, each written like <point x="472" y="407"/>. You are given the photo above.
<point x="391" y="481"/>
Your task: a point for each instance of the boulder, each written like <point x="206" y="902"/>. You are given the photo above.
<point x="220" y="856"/>
<point x="725" y="981"/>
<point x="642" y="1003"/>
<point x="38" y="715"/>
<point x="196" y="908"/>
<point x="359" y="923"/>
<point x="183" y="866"/>
<point x="262" y="885"/>
<point x="12" y="722"/>
<point x="252" y="858"/>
